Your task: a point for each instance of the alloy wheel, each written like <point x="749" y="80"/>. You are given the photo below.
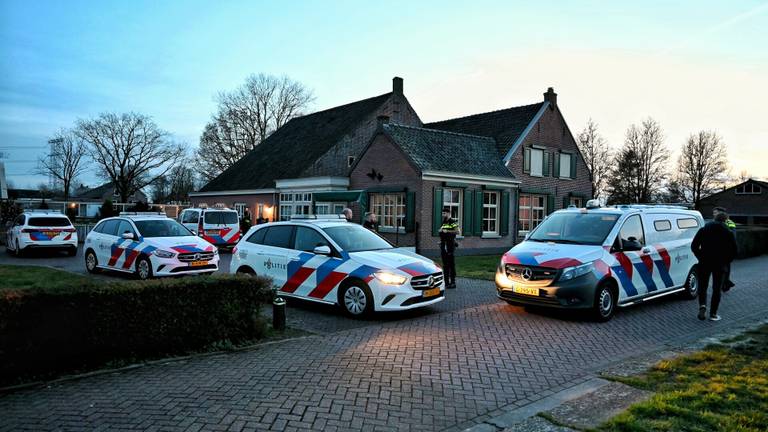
<point x="143" y="269"/>
<point x="354" y="300"/>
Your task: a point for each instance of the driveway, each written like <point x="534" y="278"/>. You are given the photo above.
<point x="444" y="368"/>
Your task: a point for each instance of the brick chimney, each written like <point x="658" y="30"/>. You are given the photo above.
<point x="397" y="85"/>
<point x="551" y="97"/>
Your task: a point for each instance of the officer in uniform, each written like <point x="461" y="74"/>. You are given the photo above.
<point x="448" y="232"/>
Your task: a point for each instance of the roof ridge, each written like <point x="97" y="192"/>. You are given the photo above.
<point x="487" y="112"/>
<point x="441" y="131"/>
<point x="342" y="106"/>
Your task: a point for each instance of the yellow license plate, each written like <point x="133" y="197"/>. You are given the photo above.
<point x="51" y="233"/>
<point x="432" y="292"/>
<point x="198" y="263"/>
<point x="216" y="232"/>
<point x="525" y="290"/>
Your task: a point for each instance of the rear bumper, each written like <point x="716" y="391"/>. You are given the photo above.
<point x="62" y="245"/>
<point x="577" y="293"/>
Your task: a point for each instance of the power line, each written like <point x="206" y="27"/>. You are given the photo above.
<point x="23" y="147"/>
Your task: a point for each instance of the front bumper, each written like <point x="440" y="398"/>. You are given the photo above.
<point x="402" y="297"/>
<point x="174" y="267"/>
<point x="578" y="293"/>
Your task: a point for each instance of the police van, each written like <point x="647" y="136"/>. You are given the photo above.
<point x="219" y="226"/>
<point x="329" y="260"/>
<point x="41" y="229"/>
<point x="147" y="245"/>
<point x="601" y="258"/>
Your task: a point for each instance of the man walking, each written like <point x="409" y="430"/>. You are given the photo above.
<point x="731" y="225"/>
<point x="715" y="248"/>
<point x="448" y="232"/>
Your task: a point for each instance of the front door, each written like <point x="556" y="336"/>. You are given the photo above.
<point x="634" y="268"/>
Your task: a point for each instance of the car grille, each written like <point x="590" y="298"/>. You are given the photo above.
<point x="422" y="282"/>
<point x="191" y="269"/>
<point x="539" y="276"/>
<point x="195" y="256"/>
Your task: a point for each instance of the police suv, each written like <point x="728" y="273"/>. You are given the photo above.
<point x="336" y="262"/>
<point x="600" y="258"/>
<point x="147" y="245"/>
<point x="41" y="229"/>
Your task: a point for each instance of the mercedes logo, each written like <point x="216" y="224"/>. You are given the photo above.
<point x="527" y="273"/>
<point x="430" y="281"/>
<point x="197" y="257"/>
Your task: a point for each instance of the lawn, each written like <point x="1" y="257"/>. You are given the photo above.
<point x="477" y="266"/>
<point x="15" y="277"/>
<point x="722" y="388"/>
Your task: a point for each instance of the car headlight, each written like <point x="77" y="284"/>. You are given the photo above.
<point x="576" y="271"/>
<point x="388" y="278"/>
<point x="163" y="254"/>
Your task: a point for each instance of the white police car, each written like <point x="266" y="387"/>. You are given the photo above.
<point x="147" y="245"/>
<point x="337" y="262"/>
<point x="41" y="229"/>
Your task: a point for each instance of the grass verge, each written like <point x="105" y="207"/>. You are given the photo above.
<point x="477" y="266"/>
<point x="16" y="277"/>
<point x="722" y="388"/>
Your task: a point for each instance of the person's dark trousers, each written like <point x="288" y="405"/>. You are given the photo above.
<point x="449" y="269"/>
<point x="718" y="277"/>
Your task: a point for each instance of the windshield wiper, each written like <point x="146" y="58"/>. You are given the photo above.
<point x="566" y="241"/>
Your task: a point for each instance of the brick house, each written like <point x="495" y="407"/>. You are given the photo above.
<point x="746" y="203"/>
<point x="498" y="173"/>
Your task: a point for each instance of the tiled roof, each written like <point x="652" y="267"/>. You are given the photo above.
<point x="435" y="150"/>
<point x="294" y="147"/>
<point x="505" y="126"/>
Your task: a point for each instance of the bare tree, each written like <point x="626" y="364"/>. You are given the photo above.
<point x="597" y="155"/>
<point x="66" y="160"/>
<point x="645" y="152"/>
<point x="702" y="164"/>
<point x="130" y="150"/>
<point x="247" y="116"/>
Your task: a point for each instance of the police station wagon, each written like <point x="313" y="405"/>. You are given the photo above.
<point x="600" y="258"/>
<point x="41" y="229"/>
<point x="337" y="262"/>
<point x="147" y="245"/>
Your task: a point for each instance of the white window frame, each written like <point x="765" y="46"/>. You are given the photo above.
<point x="537" y="165"/>
<point x="753" y="189"/>
<point x="565" y="166"/>
<point x="390" y="210"/>
<point x="526" y="202"/>
<point x="488" y="209"/>
<point x="454" y="205"/>
<point x="240" y="208"/>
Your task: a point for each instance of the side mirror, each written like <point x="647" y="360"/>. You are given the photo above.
<point x="127" y="235"/>
<point x="322" y="250"/>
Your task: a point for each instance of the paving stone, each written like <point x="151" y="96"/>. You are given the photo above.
<point x="592" y="409"/>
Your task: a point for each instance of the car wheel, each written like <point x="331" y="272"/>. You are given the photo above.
<point x="356" y="299"/>
<point x="691" y="290"/>
<point x="245" y="271"/>
<point x="143" y="269"/>
<point x="605" y="302"/>
<point x="91" y="263"/>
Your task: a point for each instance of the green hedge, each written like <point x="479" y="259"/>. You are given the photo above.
<point x="44" y="332"/>
<point x="751" y="241"/>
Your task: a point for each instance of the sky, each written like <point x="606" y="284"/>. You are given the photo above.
<point x="691" y="65"/>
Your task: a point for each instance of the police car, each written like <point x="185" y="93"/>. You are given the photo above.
<point x="336" y="262"/>
<point x="600" y="258"/>
<point x="147" y="245"/>
<point x="41" y="229"/>
<point x="219" y="226"/>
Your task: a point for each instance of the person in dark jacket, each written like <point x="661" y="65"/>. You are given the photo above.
<point x="715" y="248"/>
<point x="728" y="284"/>
<point x="448" y="232"/>
<point x="371" y="222"/>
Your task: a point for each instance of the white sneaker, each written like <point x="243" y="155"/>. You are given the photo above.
<point x="715" y="318"/>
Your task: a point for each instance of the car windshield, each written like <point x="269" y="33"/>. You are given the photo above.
<point x="575" y="228"/>
<point x="161" y="228"/>
<point x="220" y="217"/>
<point x="48" y="222"/>
<point x="355" y="238"/>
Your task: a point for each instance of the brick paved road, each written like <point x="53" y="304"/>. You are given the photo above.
<point x="436" y="371"/>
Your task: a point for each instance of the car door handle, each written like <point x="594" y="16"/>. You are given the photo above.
<point x="646" y="250"/>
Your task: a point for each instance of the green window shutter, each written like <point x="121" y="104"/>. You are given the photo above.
<point x="550" y="203"/>
<point x="437" y="210"/>
<point x="466" y="224"/>
<point x="410" y="211"/>
<point x="527" y="160"/>
<point x="545" y="161"/>
<point x="573" y="165"/>
<point x="504" y="219"/>
<point x="556" y="171"/>
<point x="478" y="219"/>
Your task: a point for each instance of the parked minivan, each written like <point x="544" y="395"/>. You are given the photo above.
<point x="218" y="226"/>
<point x="603" y="258"/>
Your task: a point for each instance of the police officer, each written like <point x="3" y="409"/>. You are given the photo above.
<point x="731" y="225"/>
<point x="245" y="223"/>
<point x="448" y="232"/>
<point x="371" y="222"/>
<point x="715" y="248"/>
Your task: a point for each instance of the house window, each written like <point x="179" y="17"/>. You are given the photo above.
<point x="565" y="165"/>
<point x="389" y="209"/>
<point x="240" y="208"/>
<point x="295" y="204"/>
<point x="537" y="162"/>
<point x="490" y="213"/>
<point x="748" y="189"/>
<point x="452" y="204"/>
<point x="531" y="211"/>
<point x="576" y="201"/>
<point x="260" y="211"/>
